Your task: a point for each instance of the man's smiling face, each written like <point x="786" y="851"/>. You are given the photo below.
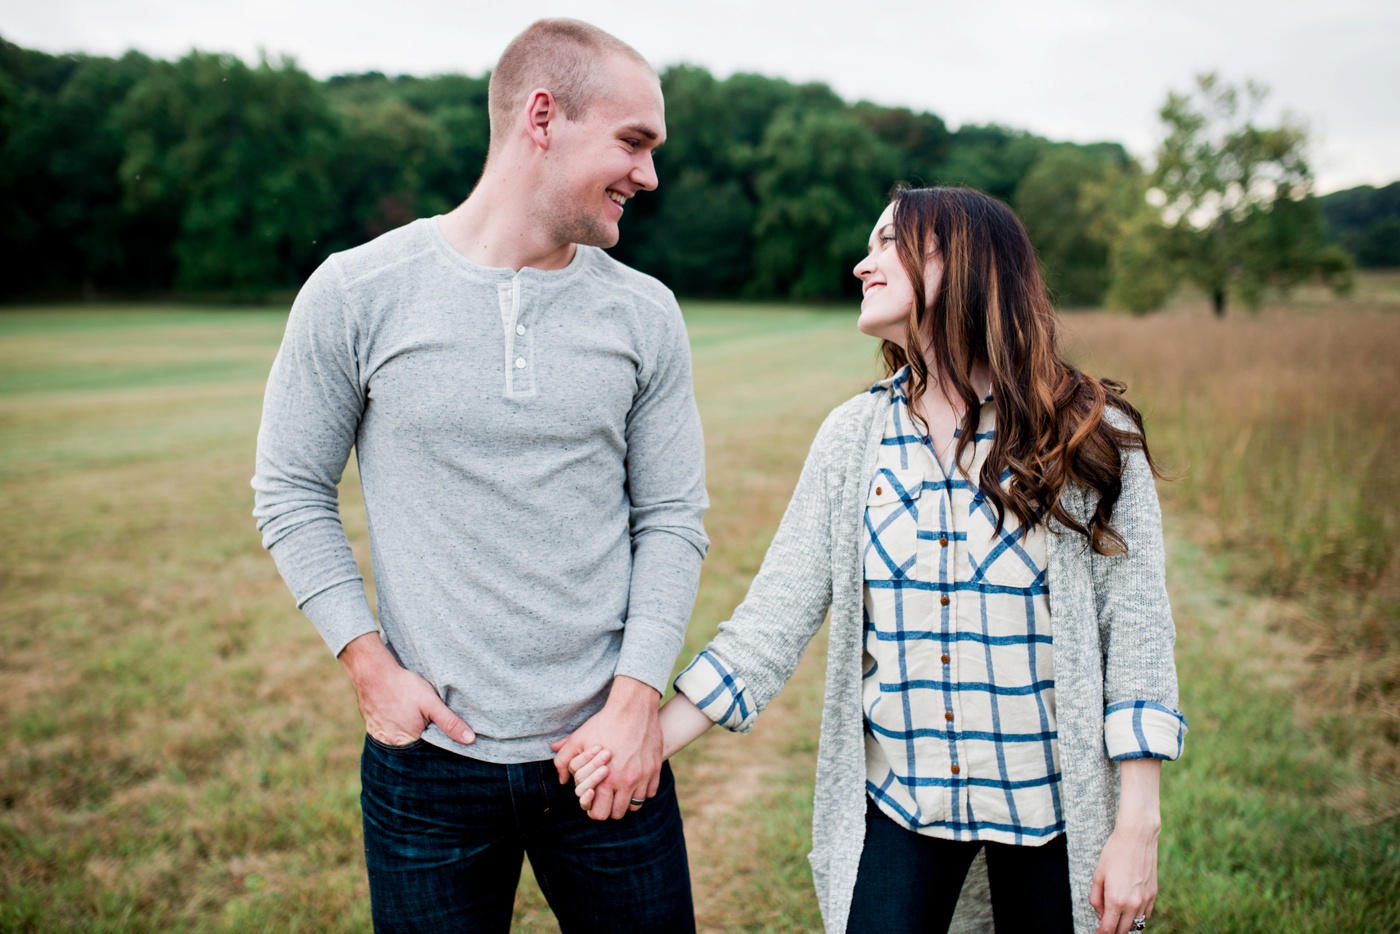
<point x="602" y="159"/>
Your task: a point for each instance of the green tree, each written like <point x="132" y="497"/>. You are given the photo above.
<point x="390" y="153"/>
<point x="464" y="127"/>
<point x="1234" y="196"/>
<point x="921" y="139"/>
<point x="990" y="158"/>
<point x="1141" y="274"/>
<point x="696" y="231"/>
<point x="699" y="241"/>
<point x="1379" y="244"/>
<point x="822" y="184"/>
<point x="426" y="139"/>
<point x="1061" y="200"/>
<point x="63" y="219"/>
<point x="237" y="161"/>
<point x="1366" y="222"/>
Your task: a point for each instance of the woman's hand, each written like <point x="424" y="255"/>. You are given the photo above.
<point x="629" y="725"/>
<point x="588" y="769"/>
<point x="1125" y="881"/>
<point x="681" y="723"/>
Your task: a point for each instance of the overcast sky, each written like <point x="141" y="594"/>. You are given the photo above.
<point x="1082" y="70"/>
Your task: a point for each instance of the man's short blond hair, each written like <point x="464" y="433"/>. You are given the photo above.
<point x="563" y="56"/>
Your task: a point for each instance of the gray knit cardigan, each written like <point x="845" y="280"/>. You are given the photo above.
<point x="1112" y="627"/>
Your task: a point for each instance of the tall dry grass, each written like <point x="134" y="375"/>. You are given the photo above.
<point x="1283" y="431"/>
<point x="177" y="749"/>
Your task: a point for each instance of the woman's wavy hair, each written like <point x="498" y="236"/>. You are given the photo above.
<point x="991" y="307"/>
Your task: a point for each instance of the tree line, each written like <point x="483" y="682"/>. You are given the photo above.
<point x="1366" y="222"/>
<point x="134" y="175"/>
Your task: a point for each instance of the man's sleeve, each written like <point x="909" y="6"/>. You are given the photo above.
<point x="666" y="487"/>
<point x="311" y="414"/>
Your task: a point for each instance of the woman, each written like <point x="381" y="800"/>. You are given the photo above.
<point x="983" y="526"/>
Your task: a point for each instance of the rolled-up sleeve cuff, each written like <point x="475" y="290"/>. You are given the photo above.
<point x="341" y="614"/>
<point x="1143" y="730"/>
<point x="718" y="692"/>
<point x="649" y="651"/>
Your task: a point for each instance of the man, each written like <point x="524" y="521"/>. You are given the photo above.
<point x="533" y="472"/>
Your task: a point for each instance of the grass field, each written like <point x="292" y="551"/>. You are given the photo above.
<point x="179" y="752"/>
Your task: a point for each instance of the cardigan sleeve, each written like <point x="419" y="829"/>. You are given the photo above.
<point x="1137" y="634"/>
<point x="756" y="651"/>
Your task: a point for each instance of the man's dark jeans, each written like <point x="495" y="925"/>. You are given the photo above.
<point x="445" y="838"/>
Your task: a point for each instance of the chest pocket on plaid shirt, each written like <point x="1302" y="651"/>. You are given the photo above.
<point x="1002" y="558"/>
<point x="891" y="534"/>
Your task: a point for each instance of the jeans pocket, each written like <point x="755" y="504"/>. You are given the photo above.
<point x="390" y="747"/>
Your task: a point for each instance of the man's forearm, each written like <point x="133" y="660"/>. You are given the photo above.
<point x="365" y="658"/>
<point x="629" y="691"/>
<point x="665" y="577"/>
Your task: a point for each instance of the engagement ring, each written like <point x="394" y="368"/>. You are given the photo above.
<point x="1139" y="923"/>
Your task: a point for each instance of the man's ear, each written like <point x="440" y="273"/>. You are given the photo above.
<point x="541" y="113"/>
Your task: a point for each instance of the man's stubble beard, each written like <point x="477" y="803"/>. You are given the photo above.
<point x="584" y="229"/>
<point x="573" y="226"/>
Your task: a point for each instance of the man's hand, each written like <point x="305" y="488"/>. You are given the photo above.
<point x="628" y="727"/>
<point x="397" y="704"/>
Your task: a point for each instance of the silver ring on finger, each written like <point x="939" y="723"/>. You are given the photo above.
<point x="638" y="802"/>
<point x="1139" y="923"/>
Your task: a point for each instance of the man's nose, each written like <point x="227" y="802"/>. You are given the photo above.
<point x="644" y="174"/>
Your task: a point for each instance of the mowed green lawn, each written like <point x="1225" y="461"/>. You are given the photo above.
<point x="179" y="751"/>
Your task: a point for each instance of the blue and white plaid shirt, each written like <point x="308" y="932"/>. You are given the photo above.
<point x="959" y="690"/>
<point x="959" y="674"/>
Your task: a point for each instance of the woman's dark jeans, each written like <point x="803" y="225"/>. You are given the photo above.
<point x="445" y="837"/>
<point x="911" y="882"/>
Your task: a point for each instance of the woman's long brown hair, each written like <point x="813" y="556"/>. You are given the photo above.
<point x="991" y="308"/>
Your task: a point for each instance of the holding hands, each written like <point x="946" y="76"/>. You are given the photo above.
<point x="627" y="730"/>
<point x="592" y="765"/>
<point x="589" y="768"/>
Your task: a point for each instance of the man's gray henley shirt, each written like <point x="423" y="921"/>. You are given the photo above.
<point x="533" y="472"/>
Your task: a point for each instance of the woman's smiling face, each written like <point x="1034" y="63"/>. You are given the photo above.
<point x="887" y="293"/>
